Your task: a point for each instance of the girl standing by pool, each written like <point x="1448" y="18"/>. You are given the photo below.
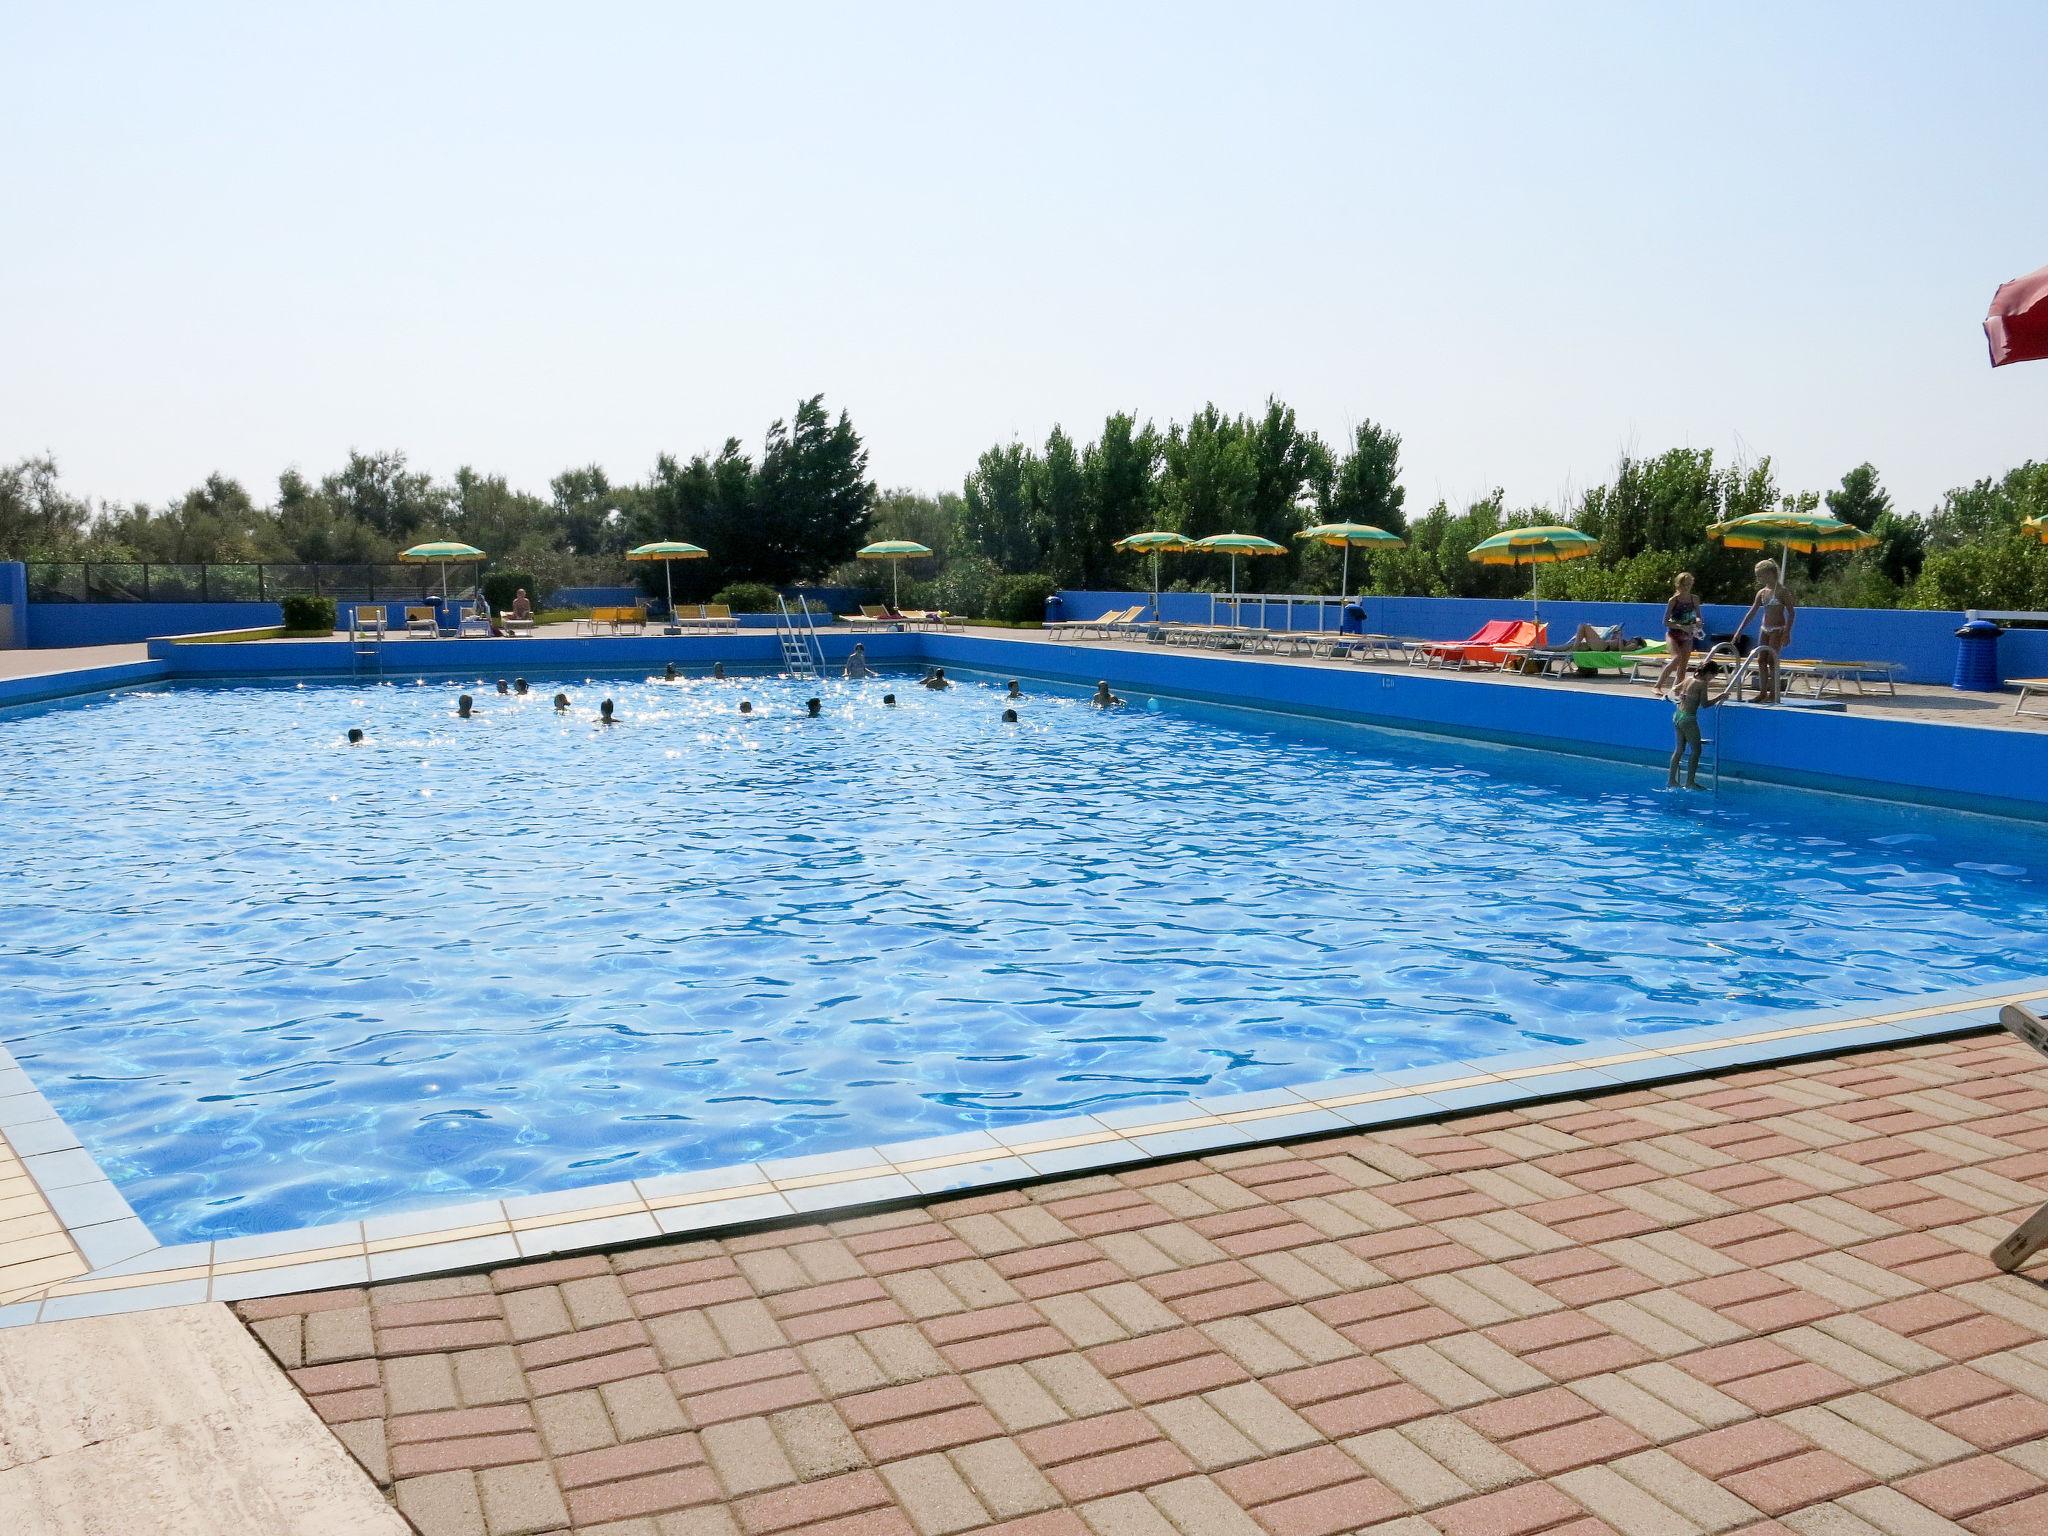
<point x="1773" y="601"/>
<point x="1694" y="695"/>
<point x="1681" y="631"/>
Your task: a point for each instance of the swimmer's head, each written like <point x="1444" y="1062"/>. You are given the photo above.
<point x="888" y="698"/>
<point x="503" y="686"/>
<point x="746" y="707"/>
<point x="355" y="735"/>
<point x="464" y="705"/>
<point x="604" y="710"/>
<point x="669" y="671"/>
<point x="519" y="685"/>
<point x="1009" y="717"/>
<point x="811" y="708"/>
<point x="561" y="701"/>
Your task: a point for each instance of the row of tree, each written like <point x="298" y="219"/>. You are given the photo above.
<point x="799" y="510"/>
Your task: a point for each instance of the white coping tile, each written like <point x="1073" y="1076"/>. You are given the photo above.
<point x="1197" y="1138"/>
<point x="21" y="1108"/>
<point x="1106" y="1154"/>
<point x="156" y="1260"/>
<point x="87" y="1204"/>
<point x="264" y="1245"/>
<point x="109" y="1242"/>
<point x="1303" y="1122"/>
<point x="13" y="1083"/>
<point x="435" y="1218"/>
<point x="176" y="1293"/>
<point x="37" y="1136"/>
<point x="325" y="1274"/>
<point x="1125" y="1117"/>
<point x="824" y="1197"/>
<point x="923" y="1147"/>
<point x="812" y="1164"/>
<point x="59" y="1170"/>
<point x="1236" y="1103"/>
<point x="1035" y="1131"/>
<point x="662" y="1185"/>
<point x="19" y="1314"/>
<point x="587" y="1197"/>
<point x="466" y="1253"/>
<point x="724" y="1213"/>
<point x="995" y="1170"/>
<point x="1407" y="1106"/>
<point x="602" y="1232"/>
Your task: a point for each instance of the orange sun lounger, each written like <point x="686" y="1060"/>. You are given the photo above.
<point x="1488" y="646"/>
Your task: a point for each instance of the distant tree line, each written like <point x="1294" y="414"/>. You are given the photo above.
<point x="1029" y="517"/>
<point x="798" y="510"/>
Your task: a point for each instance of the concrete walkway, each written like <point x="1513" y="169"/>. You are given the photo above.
<point x="74" y="659"/>
<point x="1752" y="1304"/>
<point x="167" y="1422"/>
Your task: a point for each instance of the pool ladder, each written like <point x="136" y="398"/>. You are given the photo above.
<point x="802" y="654"/>
<point x="366" y="650"/>
<point x="1730" y="690"/>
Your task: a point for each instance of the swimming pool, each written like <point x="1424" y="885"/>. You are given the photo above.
<point x="273" y="981"/>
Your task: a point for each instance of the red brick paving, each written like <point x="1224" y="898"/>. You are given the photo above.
<point x="1755" y="1305"/>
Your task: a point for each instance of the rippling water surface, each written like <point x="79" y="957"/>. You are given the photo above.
<point x="272" y="980"/>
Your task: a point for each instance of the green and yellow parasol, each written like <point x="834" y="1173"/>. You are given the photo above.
<point x="1543" y="545"/>
<point x="896" y="551"/>
<point x="1156" y="543"/>
<point x="440" y="552"/>
<point x="666" y="550"/>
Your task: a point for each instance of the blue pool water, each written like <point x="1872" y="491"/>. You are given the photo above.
<point x="273" y="981"/>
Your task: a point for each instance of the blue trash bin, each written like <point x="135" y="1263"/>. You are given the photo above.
<point x="1977" y="657"/>
<point x="1055" y="610"/>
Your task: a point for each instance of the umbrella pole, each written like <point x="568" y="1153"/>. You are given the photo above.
<point x="668" y="584"/>
<point x="896" y="585"/>
<point x="1155" y="586"/>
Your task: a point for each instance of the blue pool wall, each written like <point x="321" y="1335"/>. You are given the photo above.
<point x="54" y="625"/>
<point x="1922" y="641"/>
<point x="1971" y="768"/>
<point x="1999" y="771"/>
<point x="13" y="605"/>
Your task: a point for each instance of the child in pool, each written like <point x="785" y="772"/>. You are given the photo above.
<point x="1694" y="695"/>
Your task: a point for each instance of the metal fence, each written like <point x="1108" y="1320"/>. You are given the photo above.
<point x="121" y="581"/>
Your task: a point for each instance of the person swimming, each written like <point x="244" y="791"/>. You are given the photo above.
<point x="503" y="686"/>
<point x="605" y="715"/>
<point x="463" y="706"/>
<point x="519" y="686"/>
<point x="718" y="670"/>
<point x="1103" y="698"/>
<point x="746" y="706"/>
<point x="1015" y="692"/>
<point x="857" y="661"/>
<point x="937" y="681"/>
<point x="811" y="708"/>
<point x="889" y="699"/>
<point x="1009" y="717"/>
<point x="561" y="701"/>
<point x="355" y="735"/>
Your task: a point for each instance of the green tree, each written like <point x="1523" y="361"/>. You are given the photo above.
<point x="595" y="516"/>
<point x="1367" y="488"/>
<point x="812" y="498"/>
<point x="38" y="519"/>
<point x="1065" y="506"/>
<point x="1122" y="467"/>
<point x="378" y="491"/>
<point x="1004" y="519"/>
<point x="1860" y="499"/>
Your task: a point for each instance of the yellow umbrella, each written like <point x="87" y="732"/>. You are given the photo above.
<point x="440" y="552"/>
<point x="2038" y="527"/>
<point x="895" y="551"/>
<point x="1807" y="532"/>
<point x="666" y="550"/>
<point x="1345" y="535"/>
<point x="1159" y="542"/>
<point x="1542" y="545"/>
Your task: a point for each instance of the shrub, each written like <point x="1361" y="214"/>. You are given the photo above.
<point x="1021" y="599"/>
<point x="500" y="587"/>
<point x="746" y="597"/>
<point x="306" y="614"/>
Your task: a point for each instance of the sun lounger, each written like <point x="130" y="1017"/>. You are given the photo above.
<point x="421" y="621"/>
<point x="1078" y="629"/>
<point x="2028" y="687"/>
<point x="1490" y="646"/>
<point x="618" y="619"/>
<point x="1823" y="677"/>
<point x="1565" y="662"/>
<point x="711" y="617"/>
<point x="513" y="623"/>
<point x="369" y="619"/>
<point x="871" y="616"/>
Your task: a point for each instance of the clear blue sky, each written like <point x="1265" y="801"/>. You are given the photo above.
<point x="524" y="237"/>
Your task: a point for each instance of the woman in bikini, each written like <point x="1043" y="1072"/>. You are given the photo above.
<point x="1773" y="602"/>
<point x="1681" y="631"/>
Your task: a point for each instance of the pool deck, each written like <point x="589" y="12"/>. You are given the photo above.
<point x="1755" y="1303"/>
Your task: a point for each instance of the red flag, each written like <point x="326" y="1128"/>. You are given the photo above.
<point x="2017" y="326"/>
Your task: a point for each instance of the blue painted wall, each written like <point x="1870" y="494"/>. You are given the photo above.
<point x="61" y="624"/>
<point x="1970" y="767"/>
<point x="61" y="685"/>
<point x="1922" y="640"/>
<point x="527" y="655"/>
<point x="13" y="605"/>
